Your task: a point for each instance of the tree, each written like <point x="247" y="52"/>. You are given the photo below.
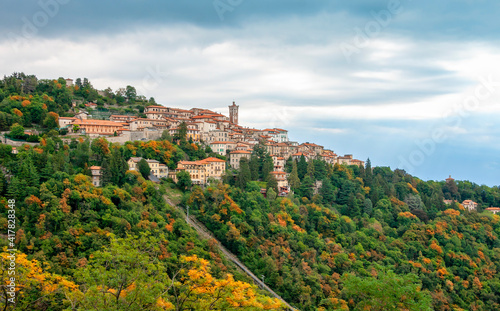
<point x="127" y="275"/>
<point x="271" y="195"/>
<point x="184" y="180"/>
<point x="307" y="187"/>
<point x="100" y="148"/>
<point x="144" y="168"/>
<point x="267" y="167"/>
<point x="368" y="173"/>
<point x="327" y="191"/>
<point x="272" y="183"/>
<point x="165" y="135"/>
<point x="302" y="167"/>
<point x="293" y="179"/>
<point x="181" y="135"/>
<point x="310" y="170"/>
<point x="16" y="131"/>
<point x="114" y="167"/>
<point x="386" y="292"/>
<point x="368" y="209"/>
<point x="51" y="121"/>
<point x="130" y="94"/>
<point x="254" y="167"/>
<point x="244" y="175"/>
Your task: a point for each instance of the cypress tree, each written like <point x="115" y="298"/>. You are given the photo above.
<point x="302" y="167"/>
<point x="310" y="170"/>
<point x="272" y="183"/>
<point x="254" y="167"/>
<point x="293" y="179"/>
<point x="144" y="168"/>
<point x="327" y="191"/>
<point x="267" y="167"/>
<point x="244" y="175"/>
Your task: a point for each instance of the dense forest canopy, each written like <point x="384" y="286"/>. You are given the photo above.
<point x="348" y="238"/>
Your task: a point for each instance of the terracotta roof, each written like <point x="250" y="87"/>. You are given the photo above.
<point x="468" y="202"/>
<point x="493" y="209"/>
<point x="95" y="167"/>
<point x="97" y="122"/>
<point x="212" y="159"/>
<point x="121" y="116"/>
<point x="240" y="151"/>
<point x="222" y="142"/>
<point x="153" y="106"/>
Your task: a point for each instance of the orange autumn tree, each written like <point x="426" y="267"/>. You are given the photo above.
<point x="197" y="289"/>
<point x="35" y="288"/>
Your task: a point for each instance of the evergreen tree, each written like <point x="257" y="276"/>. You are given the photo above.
<point x="272" y="183"/>
<point x="327" y="191"/>
<point x="319" y="169"/>
<point x="16" y="189"/>
<point x="368" y="173"/>
<point x="3" y="183"/>
<point x="368" y="208"/>
<point x="244" y="174"/>
<point x="307" y="187"/>
<point x="267" y="167"/>
<point x="106" y="175"/>
<point x="28" y="172"/>
<point x="118" y="167"/>
<point x="144" y="168"/>
<point x="311" y="170"/>
<point x="288" y="164"/>
<point x="302" y="167"/>
<point x="47" y="170"/>
<point x="293" y="179"/>
<point x="254" y="167"/>
<point x="181" y="135"/>
<point x="184" y="180"/>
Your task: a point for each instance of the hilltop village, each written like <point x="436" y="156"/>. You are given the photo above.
<point x="223" y="134"/>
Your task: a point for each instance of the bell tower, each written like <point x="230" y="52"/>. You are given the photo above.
<point x="233" y="113"/>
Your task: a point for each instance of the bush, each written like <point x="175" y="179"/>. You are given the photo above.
<point x="33" y="138"/>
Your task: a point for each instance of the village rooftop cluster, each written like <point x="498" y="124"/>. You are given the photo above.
<point x="223" y="134"/>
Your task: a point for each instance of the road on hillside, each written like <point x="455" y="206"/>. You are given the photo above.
<point x="206" y="234"/>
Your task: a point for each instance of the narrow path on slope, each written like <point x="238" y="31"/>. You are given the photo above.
<point x="206" y="234"/>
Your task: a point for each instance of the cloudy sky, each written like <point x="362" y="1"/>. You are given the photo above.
<point x="410" y="84"/>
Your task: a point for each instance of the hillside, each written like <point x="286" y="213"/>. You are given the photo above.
<point x="346" y="237"/>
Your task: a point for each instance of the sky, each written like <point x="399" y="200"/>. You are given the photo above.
<point x="409" y="84"/>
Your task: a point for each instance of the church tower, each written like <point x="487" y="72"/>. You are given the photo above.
<point x="233" y="113"/>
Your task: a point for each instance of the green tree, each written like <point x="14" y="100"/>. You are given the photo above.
<point x="386" y="292"/>
<point x="310" y="170"/>
<point x="302" y="167"/>
<point x="244" y="175"/>
<point x="184" y="180"/>
<point x="16" y="131"/>
<point x="293" y="179"/>
<point x="254" y="167"/>
<point x="368" y="208"/>
<point x="327" y="191"/>
<point x="144" y="168"/>
<point x="130" y="94"/>
<point x="127" y="275"/>
<point x="267" y="167"/>
<point x="181" y="134"/>
<point x="165" y="135"/>
<point x="307" y="187"/>
<point x="51" y="121"/>
<point x="272" y="183"/>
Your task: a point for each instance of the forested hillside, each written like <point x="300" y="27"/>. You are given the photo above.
<point x="364" y="228"/>
<point x="348" y="238"/>
<point x="118" y="247"/>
